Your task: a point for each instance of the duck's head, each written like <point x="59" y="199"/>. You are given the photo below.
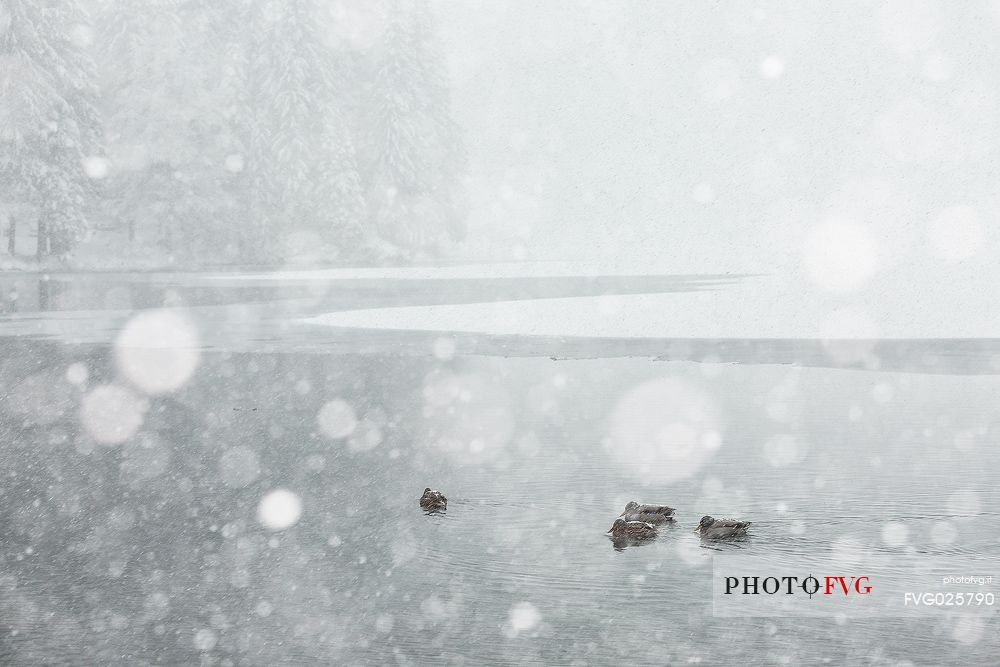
<point x="706" y="521"/>
<point x="427" y="490"/>
<point x="618" y="524"/>
<point x="632" y="505"/>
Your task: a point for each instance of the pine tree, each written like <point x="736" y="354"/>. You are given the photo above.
<point x="413" y="152"/>
<point x="171" y="130"/>
<point x="49" y="123"/>
<point x="301" y="156"/>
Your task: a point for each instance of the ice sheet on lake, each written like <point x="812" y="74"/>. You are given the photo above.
<point x="753" y="308"/>
<point x="478" y="271"/>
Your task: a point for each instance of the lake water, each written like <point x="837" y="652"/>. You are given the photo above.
<point x="130" y="499"/>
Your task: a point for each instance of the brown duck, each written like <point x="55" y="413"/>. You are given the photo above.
<point x="633" y="530"/>
<point x="433" y="500"/>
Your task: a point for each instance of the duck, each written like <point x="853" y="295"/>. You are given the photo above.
<point x="636" y="530"/>
<point x="649" y="513"/>
<point x="433" y="500"/>
<point x="711" y="528"/>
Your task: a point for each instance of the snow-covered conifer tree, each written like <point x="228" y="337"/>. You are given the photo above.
<point x="412" y="150"/>
<point x="49" y="124"/>
<point x="302" y="162"/>
<point x="169" y="125"/>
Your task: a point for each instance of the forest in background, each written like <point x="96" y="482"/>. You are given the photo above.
<point x="209" y="132"/>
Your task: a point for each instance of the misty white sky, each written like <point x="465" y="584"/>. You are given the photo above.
<point x="721" y="127"/>
<point x="848" y="149"/>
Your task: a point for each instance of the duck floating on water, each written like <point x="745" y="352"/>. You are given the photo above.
<point x="653" y="514"/>
<point x="433" y="500"/>
<point x="632" y="530"/>
<point x="714" y="529"/>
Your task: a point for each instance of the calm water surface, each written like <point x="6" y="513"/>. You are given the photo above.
<point x="150" y="551"/>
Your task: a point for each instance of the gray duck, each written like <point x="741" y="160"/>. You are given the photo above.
<point x="649" y="513"/>
<point x="714" y="529"/>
